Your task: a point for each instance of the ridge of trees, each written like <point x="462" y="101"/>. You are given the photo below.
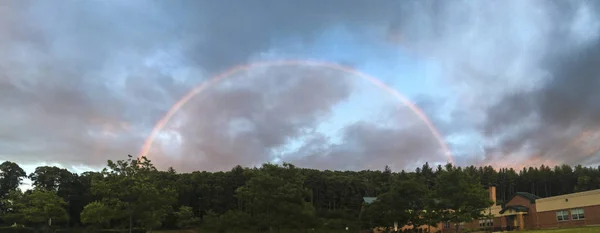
<point x="132" y="193"/>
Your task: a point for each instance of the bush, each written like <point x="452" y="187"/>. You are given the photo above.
<point x="135" y="230"/>
<point x="18" y="230"/>
<point x="74" y="230"/>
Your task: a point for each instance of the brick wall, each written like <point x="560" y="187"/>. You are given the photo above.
<point x="548" y="219"/>
<point x="530" y="218"/>
<point x="518" y="200"/>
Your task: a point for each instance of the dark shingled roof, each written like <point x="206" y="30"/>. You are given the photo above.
<point x="516" y="208"/>
<point x="369" y="200"/>
<point x="528" y="196"/>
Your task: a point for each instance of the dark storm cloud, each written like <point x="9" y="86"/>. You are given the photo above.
<point x="370" y="146"/>
<point x="257" y="112"/>
<point x="235" y="30"/>
<point x="397" y="139"/>
<point x="83" y="81"/>
<point x="558" y="113"/>
<point x="74" y="73"/>
<point x="524" y="74"/>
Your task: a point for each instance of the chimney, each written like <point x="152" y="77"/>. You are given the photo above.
<point x="492" y="191"/>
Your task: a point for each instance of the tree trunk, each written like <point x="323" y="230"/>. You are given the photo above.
<point x="504" y="194"/>
<point x="130" y="222"/>
<point x="334" y="204"/>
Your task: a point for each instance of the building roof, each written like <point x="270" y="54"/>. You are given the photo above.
<point x="369" y="200"/>
<point x="516" y="208"/>
<point x="571" y="195"/>
<point x="568" y="201"/>
<point x="528" y="196"/>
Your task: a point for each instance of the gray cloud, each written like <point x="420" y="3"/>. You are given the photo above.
<point x="523" y="73"/>
<point x="560" y="116"/>
<point x="371" y="146"/>
<point x="235" y="30"/>
<point x="84" y="81"/>
<point x="253" y="114"/>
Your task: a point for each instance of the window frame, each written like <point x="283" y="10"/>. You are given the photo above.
<point x="562" y="214"/>
<point x="447" y="225"/>
<point x="579" y="215"/>
<point x="486" y="222"/>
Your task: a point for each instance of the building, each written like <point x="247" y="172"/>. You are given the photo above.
<point x="369" y="200"/>
<point x="525" y="211"/>
<point x="528" y="211"/>
<point x="577" y="209"/>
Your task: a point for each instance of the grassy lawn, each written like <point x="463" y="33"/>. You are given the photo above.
<point x="282" y="231"/>
<point x="595" y="229"/>
<point x="176" y="231"/>
<point x="569" y="230"/>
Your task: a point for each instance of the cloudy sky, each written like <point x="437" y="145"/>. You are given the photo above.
<point x="507" y="83"/>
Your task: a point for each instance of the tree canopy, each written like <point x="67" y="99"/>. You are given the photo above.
<point x="132" y="193"/>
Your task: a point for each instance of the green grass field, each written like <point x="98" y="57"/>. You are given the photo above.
<point x="594" y="229"/>
<point x="282" y="231"/>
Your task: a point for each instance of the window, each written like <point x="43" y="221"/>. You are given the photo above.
<point x="447" y="225"/>
<point x="486" y="223"/>
<point x="577" y="214"/>
<point x="562" y="215"/>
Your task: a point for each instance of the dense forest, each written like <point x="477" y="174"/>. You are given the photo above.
<point x="132" y="194"/>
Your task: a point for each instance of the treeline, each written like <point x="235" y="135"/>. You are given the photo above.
<point x="133" y="194"/>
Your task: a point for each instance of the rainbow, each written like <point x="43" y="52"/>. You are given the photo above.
<point x="282" y="63"/>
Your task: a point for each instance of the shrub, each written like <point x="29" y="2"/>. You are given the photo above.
<point x="89" y="230"/>
<point x="136" y="230"/>
<point x="18" y="230"/>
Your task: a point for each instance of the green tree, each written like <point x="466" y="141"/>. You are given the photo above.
<point x="38" y="207"/>
<point x="98" y="214"/>
<point x="403" y="204"/>
<point x="51" y="178"/>
<point x="131" y="187"/>
<point x="11" y="176"/>
<point x="11" y="204"/>
<point x="461" y="196"/>
<point x="185" y="217"/>
<point x="276" y="196"/>
<point x="378" y="214"/>
<point x="235" y="220"/>
<point x="334" y="198"/>
<point x="416" y="195"/>
<point x="583" y="184"/>
<point x="212" y="221"/>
